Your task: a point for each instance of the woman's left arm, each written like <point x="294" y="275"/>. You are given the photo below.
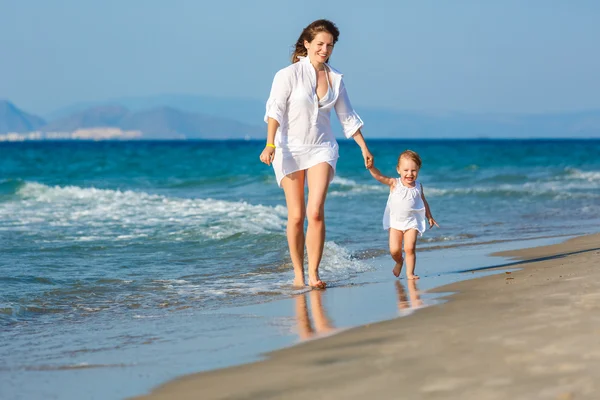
<point x="367" y="156"/>
<point x="428" y="215"/>
<point x="351" y="124"/>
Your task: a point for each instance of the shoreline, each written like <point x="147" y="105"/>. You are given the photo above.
<point x="244" y="334"/>
<point x="377" y="358"/>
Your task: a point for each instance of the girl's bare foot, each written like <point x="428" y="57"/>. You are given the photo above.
<point x="410" y="277"/>
<point x="397" y="269"/>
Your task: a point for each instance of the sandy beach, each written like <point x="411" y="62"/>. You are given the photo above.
<point x="528" y="334"/>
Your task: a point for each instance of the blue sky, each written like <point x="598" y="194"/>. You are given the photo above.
<point x="470" y="56"/>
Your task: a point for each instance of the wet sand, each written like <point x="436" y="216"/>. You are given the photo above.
<point x="527" y="334"/>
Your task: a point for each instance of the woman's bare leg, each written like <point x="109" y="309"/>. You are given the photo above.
<point x="293" y="187"/>
<point x="410" y="243"/>
<point x="396" y="237"/>
<point x="318" y="182"/>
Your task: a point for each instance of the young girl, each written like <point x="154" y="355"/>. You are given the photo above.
<point x="406" y="211"/>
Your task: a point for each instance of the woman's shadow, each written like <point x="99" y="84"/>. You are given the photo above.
<point x="412" y="301"/>
<point x="320" y="324"/>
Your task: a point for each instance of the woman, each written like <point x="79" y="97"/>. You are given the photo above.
<point x="301" y="145"/>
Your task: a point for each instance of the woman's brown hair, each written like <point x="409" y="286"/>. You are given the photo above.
<point x="309" y="33"/>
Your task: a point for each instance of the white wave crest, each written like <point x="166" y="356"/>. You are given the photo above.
<point x="344" y="187"/>
<point x="119" y="214"/>
<point x="338" y="180"/>
<point x="555" y="190"/>
<point x="575" y="184"/>
<point x="590" y="176"/>
<point x="337" y="259"/>
<point x="337" y="265"/>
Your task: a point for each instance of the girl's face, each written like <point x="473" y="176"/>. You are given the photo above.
<point x="408" y="171"/>
<point x="321" y="47"/>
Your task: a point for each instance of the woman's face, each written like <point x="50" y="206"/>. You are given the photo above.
<point x="320" y="48"/>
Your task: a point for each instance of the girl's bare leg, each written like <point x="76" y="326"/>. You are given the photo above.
<point x="410" y="243"/>
<point x="293" y="187"/>
<point x="318" y="183"/>
<point x="396" y="250"/>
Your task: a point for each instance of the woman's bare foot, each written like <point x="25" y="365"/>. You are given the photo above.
<point x="318" y="285"/>
<point x="411" y="277"/>
<point x="315" y="283"/>
<point x="397" y="269"/>
<point x="298" y="283"/>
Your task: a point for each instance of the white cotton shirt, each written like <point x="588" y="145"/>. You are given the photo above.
<point x="304" y="137"/>
<point x="405" y="209"/>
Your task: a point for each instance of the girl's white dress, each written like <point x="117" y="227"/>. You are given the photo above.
<point x="405" y="209"/>
<point x="304" y="137"/>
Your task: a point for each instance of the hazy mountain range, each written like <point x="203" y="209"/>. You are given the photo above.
<point x="161" y="122"/>
<point x="203" y="117"/>
<point x="13" y="119"/>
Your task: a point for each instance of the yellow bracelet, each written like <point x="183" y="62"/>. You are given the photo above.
<point x="270" y="145"/>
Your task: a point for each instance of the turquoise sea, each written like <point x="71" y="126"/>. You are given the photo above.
<point x="125" y="264"/>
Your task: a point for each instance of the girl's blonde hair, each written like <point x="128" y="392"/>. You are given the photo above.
<point x="411" y="155"/>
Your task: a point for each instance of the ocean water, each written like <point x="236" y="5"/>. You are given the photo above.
<point x="112" y="252"/>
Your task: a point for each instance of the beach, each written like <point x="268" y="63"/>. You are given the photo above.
<point x="530" y="331"/>
<point x="137" y="263"/>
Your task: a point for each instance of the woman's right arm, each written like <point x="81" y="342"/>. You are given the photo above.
<point x="275" y="110"/>
<point x="268" y="152"/>
<point x="278" y="98"/>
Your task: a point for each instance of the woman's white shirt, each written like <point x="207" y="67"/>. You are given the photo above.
<point x="304" y="137"/>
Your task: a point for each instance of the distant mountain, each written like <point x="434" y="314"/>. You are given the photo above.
<point x="103" y="116"/>
<point x="384" y="123"/>
<point x="203" y="117"/>
<point x="12" y="119"/>
<point x="156" y="123"/>
<point x="249" y="111"/>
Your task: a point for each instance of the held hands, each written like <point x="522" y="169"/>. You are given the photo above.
<point x="432" y="222"/>
<point x="267" y="155"/>
<point x="368" y="157"/>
